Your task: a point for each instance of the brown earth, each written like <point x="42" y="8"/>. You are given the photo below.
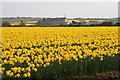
<point x="111" y="75"/>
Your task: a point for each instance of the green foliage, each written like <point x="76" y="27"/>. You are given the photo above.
<point x="106" y="23"/>
<point x="77" y="68"/>
<point x="6" y="24"/>
<point x="118" y="24"/>
<point x="22" y="24"/>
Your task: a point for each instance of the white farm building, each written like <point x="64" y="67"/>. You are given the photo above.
<point x="52" y="22"/>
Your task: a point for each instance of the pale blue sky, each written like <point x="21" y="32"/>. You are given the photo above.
<point x="59" y="9"/>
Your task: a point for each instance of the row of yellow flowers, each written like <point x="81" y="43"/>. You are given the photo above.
<point x="26" y="49"/>
<point x="27" y="23"/>
<point x="86" y="20"/>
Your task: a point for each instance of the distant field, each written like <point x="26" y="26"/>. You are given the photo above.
<point x="58" y="52"/>
<point x="87" y="20"/>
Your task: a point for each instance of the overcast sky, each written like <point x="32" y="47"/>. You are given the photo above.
<point x="60" y="0"/>
<point x="59" y="9"/>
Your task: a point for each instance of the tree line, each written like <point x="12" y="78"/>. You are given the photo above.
<point x="22" y="24"/>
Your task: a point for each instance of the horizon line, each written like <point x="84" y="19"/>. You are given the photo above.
<point x="54" y="17"/>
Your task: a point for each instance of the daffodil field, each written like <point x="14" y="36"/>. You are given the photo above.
<point x="56" y="52"/>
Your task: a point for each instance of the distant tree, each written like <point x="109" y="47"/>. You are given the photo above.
<point x="37" y="24"/>
<point x="106" y="23"/>
<point x="118" y="18"/>
<point x="74" y="23"/>
<point x="60" y="25"/>
<point x="22" y="24"/>
<point x="79" y="23"/>
<point x="6" y="24"/>
<point x="117" y="24"/>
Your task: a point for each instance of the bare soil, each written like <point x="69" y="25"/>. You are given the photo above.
<point x="111" y="75"/>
